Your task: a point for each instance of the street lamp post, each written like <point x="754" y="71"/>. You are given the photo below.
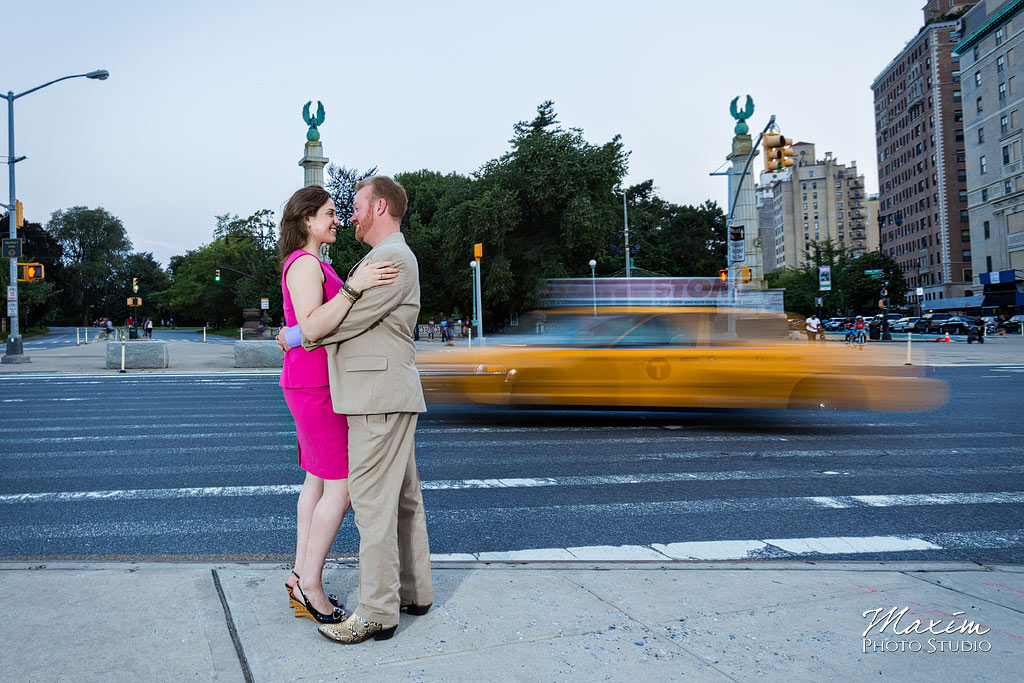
<point x="593" y="282"/>
<point x="625" y="230"/>
<point x="477" y="301"/>
<point x="15" y="352"/>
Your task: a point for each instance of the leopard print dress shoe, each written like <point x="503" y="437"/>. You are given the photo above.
<point x="355" y="629"/>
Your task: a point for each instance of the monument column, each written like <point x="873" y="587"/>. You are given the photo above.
<point x="743" y="205"/>
<point x="313" y="161"/>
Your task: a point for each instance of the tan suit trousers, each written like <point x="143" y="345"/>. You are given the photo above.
<point x="394" y="553"/>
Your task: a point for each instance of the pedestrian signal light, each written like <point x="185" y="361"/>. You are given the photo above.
<point x="19" y="213"/>
<point x="32" y="272"/>
<point x="478" y="251"/>
<point x="724" y="274"/>
<point x="216" y="275"/>
<point x="777" y="151"/>
<point x="135" y="284"/>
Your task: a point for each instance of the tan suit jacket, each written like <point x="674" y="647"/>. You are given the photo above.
<point x="371" y="357"/>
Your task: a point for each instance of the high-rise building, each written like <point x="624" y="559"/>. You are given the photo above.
<point x="814" y="201"/>
<point x="922" y="181"/>
<point x="991" y="53"/>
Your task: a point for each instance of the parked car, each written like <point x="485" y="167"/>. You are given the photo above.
<point x="834" y="324"/>
<point x="929" y="322"/>
<point x="957" y="325"/>
<point x="904" y="324"/>
<point x="1014" y="323"/>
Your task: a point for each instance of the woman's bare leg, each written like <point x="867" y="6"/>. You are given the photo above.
<point x="309" y="496"/>
<point x="323" y="529"/>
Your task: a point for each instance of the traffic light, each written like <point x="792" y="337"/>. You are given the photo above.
<point x="135" y="285"/>
<point x="478" y="251"/>
<point x="32" y="272"/>
<point x="19" y="213"/>
<point x="216" y="275"/>
<point x="777" y="151"/>
<point x="724" y="274"/>
<point x="742" y="274"/>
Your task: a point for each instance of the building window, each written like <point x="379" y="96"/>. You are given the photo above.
<point x="1002" y="94"/>
<point x="839" y="205"/>
<point x="1007" y="186"/>
<point x="976" y="52"/>
<point x="984" y="194"/>
<point x="1000" y="64"/>
<point x="987" y="235"/>
<point x="958" y="115"/>
<point x="981" y="135"/>
<point x="805" y="196"/>
<point x="963" y="195"/>
<point x="805" y="206"/>
<point x="980" y="107"/>
<point x="815" y="204"/>
<point x="977" y="79"/>
<point x="983" y="164"/>
<point x="961" y="155"/>
<point x="965" y="235"/>
<point x="957" y="97"/>
<point x="966" y="254"/>
<point x="1006" y="154"/>
<point x="956" y="76"/>
<point x="1000" y="35"/>
<point x="963" y="216"/>
<point x="961" y="175"/>
<point x="958" y="135"/>
<point x="1004" y="124"/>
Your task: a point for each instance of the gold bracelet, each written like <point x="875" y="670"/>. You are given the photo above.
<point x="348" y="296"/>
<point x="351" y="292"/>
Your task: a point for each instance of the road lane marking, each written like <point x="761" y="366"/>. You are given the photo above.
<point x="840" y="545"/>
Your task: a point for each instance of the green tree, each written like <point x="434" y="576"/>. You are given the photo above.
<point x="542" y="210"/>
<point x="94" y="244"/>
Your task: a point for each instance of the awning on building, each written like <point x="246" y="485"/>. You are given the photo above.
<point x="956" y="303"/>
<point x="999" y="299"/>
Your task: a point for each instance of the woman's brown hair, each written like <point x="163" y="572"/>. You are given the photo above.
<point x="302" y="205"/>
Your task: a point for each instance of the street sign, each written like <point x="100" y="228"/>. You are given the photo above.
<point x="12" y="309"/>
<point x="818" y="301"/>
<point x="737" y="245"/>
<point x="12" y="293"/>
<point x="876" y="277"/>
<point x="12" y="248"/>
<point x="872" y="272"/>
<point x="265" y="303"/>
<point x="825" y="278"/>
<point x="919" y="291"/>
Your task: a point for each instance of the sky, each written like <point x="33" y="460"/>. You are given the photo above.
<point x="201" y="115"/>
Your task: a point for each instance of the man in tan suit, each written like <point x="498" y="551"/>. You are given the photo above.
<point x="371" y="360"/>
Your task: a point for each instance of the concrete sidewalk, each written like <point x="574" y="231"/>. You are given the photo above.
<point x="540" y="621"/>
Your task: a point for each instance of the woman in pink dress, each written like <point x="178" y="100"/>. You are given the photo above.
<point x="309" y="221"/>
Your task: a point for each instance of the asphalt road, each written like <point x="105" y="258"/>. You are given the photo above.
<point x="69" y="336"/>
<point x="203" y="466"/>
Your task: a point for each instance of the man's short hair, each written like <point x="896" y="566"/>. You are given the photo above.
<point x="383" y="187"/>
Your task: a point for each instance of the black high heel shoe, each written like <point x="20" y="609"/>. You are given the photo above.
<point x="307" y="610"/>
<point x="298" y="606"/>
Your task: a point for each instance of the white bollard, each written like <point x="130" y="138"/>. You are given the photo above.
<point x="122" y="353"/>
<point x="240" y="337"/>
<point x="78" y="339"/>
<point x="909" y="335"/>
<point x="204" y="335"/>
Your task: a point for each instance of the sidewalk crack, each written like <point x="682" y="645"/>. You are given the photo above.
<point x="246" y="672"/>
<point x="966" y="595"/>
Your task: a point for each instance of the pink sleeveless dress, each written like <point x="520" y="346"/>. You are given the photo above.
<point x="322" y="434"/>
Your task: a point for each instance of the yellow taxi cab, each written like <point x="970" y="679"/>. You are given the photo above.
<point x="660" y="357"/>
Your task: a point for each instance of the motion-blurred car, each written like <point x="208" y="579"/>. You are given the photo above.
<point x="671" y="358"/>
<point x="1014" y="324"/>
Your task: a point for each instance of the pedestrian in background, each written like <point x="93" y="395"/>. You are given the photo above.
<point x="812" y="327"/>
<point x="148" y="327"/>
<point x="309" y="221"/>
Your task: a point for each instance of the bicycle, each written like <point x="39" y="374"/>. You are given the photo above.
<point x="861" y="337"/>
